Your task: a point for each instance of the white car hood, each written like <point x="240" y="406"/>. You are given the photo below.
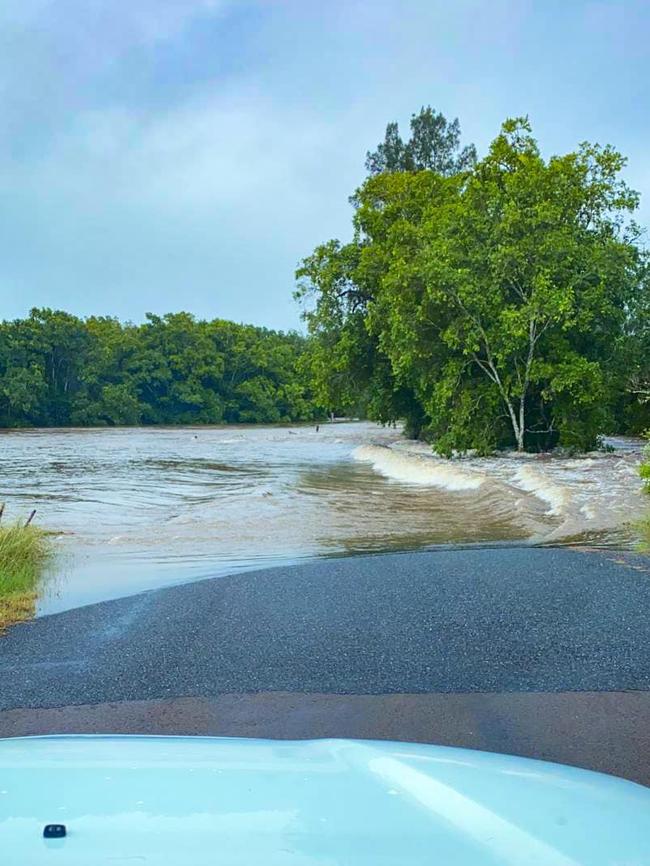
<point x="202" y="800"/>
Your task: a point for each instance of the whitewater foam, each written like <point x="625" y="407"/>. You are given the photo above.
<point x="534" y="482"/>
<point x="416" y="469"/>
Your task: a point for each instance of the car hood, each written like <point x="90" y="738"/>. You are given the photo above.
<point x="204" y="800"/>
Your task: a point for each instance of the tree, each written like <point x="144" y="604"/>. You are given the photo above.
<point x="636" y="404"/>
<point x="434" y="145"/>
<point x="177" y="371"/>
<point x="43" y="354"/>
<point x="350" y="367"/>
<point x="22" y="390"/>
<point x="538" y="271"/>
<point x="108" y="395"/>
<point x="498" y="298"/>
<point x="173" y="369"/>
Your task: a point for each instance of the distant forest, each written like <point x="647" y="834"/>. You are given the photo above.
<point x="60" y="370"/>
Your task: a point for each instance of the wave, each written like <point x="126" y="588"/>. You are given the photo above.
<point x="534" y="482"/>
<point x="414" y="469"/>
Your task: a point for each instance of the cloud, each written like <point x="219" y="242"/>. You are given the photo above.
<point x="194" y="207"/>
<point x="114" y="26"/>
<point x="58" y="57"/>
<point x="160" y="154"/>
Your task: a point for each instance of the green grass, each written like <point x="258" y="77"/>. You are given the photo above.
<point x="24" y="553"/>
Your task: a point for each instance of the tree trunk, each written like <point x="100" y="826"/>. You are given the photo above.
<point x="522" y="425"/>
<point x="517" y="426"/>
<point x="489" y="368"/>
<point x="520" y="439"/>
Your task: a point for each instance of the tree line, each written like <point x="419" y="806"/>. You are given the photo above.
<point x="494" y="302"/>
<point x="58" y="370"/>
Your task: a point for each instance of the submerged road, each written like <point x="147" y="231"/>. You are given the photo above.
<point x="544" y="652"/>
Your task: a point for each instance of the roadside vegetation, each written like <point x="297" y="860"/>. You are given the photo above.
<point x="25" y="551"/>
<point x="493" y="303"/>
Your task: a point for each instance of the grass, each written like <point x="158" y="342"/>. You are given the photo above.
<point x="24" y="553"/>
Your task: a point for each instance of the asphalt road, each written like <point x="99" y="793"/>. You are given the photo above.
<point x="454" y="621"/>
<point x="438" y="635"/>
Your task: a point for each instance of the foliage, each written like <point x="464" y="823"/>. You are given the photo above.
<point x="645" y="466"/>
<point x="489" y="307"/>
<point x="24" y="554"/>
<point x="57" y="369"/>
<point x="434" y="144"/>
<point x="635" y="403"/>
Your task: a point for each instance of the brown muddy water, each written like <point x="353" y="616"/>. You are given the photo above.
<point x="138" y="508"/>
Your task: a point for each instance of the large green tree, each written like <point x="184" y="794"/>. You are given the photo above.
<point x="497" y="297"/>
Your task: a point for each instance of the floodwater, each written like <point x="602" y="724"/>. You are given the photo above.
<point x="137" y="508"/>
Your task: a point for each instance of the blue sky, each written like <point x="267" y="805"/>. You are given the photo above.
<point x="159" y="155"/>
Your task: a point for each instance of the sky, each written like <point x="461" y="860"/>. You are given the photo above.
<point x="164" y="155"/>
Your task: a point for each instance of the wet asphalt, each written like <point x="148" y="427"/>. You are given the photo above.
<point x="502" y="620"/>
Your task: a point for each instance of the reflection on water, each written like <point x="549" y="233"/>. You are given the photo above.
<point x="139" y="508"/>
